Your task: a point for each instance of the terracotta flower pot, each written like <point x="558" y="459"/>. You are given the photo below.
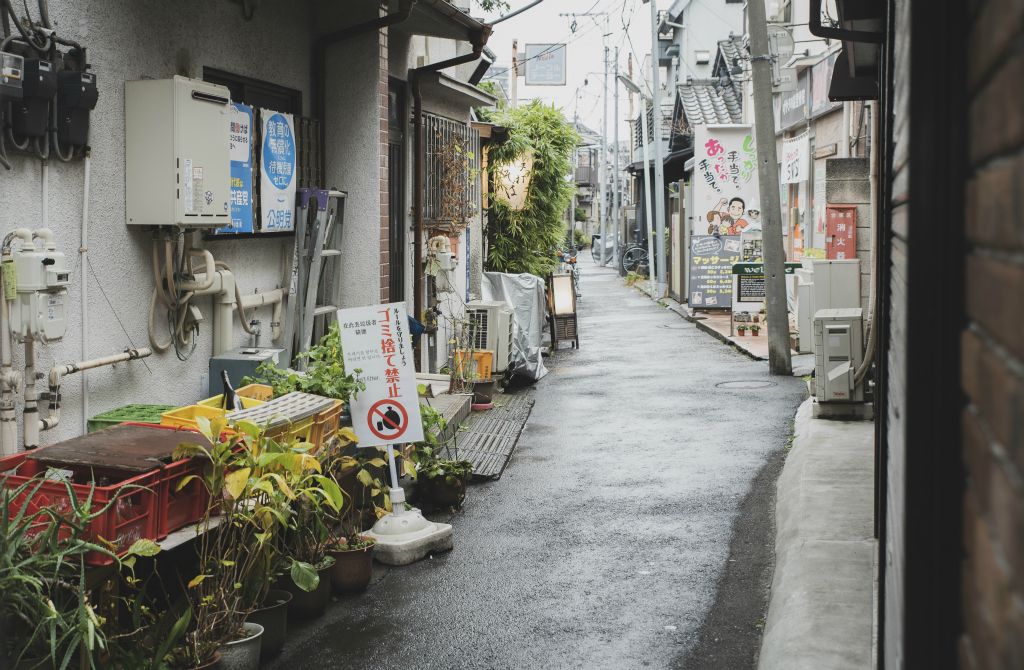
<point x="353" y="569"/>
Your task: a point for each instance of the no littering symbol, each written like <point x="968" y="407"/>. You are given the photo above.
<point x="388" y="420"/>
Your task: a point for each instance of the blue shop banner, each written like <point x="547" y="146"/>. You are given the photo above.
<point x="242" y="217"/>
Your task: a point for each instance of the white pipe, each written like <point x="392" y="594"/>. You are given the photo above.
<point x="869" y="353"/>
<point x="30" y="412"/>
<point x="844" y="147"/>
<point x="275" y="298"/>
<point x="211" y="268"/>
<point x="83" y="249"/>
<point x="46" y="235"/>
<point x="59" y="371"/>
<point x="223" y="314"/>
<point x="8" y="383"/>
<point x="45" y="218"/>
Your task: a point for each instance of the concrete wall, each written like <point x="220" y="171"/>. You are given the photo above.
<point x="353" y="148"/>
<point x="144" y="38"/>
<point x="847" y="183"/>
<point x="130" y="40"/>
<point x="706" y="23"/>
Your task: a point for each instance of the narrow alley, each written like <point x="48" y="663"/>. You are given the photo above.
<point x="604" y="543"/>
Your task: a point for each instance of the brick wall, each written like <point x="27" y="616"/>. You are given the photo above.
<point x="993" y="344"/>
<point x="385" y="269"/>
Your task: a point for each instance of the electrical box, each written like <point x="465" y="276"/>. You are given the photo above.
<point x="836" y="284"/>
<point x="177" y="153"/>
<point x="239" y="363"/>
<point x="39" y="278"/>
<point x="838" y="352"/>
<point x="12" y="72"/>
<point x="76" y="97"/>
<point x="805" y="309"/>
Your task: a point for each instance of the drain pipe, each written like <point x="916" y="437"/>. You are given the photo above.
<point x="10" y="380"/>
<point x="479" y="41"/>
<point x="318" y="68"/>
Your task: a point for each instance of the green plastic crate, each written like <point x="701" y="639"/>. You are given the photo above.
<point x="132" y="413"/>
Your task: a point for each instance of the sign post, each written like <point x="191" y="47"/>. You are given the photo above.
<point x="375" y="340"/>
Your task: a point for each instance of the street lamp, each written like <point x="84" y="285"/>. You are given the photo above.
<point x="632" y="87"/>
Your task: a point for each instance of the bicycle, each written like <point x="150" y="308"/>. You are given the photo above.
<point x="633" y="258"/>
<point x="567" y="258"/>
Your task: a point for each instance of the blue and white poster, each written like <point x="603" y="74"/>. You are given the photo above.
<point x="278" y="163"/>
<point x="240" y="136"/>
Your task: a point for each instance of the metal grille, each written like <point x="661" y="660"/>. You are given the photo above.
<point x="443" y="136"/>
<point x="478" y="328"/>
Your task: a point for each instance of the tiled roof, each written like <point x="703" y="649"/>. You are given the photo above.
<point x="707" y="102"/>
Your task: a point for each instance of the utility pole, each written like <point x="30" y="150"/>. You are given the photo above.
<point x="659" y="160"/>
<point x="603" y="165"/>
<point x="616" y="198"/>
<point x="779" y="362"/>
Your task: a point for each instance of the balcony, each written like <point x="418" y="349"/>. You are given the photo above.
<point x="586" y="175"/>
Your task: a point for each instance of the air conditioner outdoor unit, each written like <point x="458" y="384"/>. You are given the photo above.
<point x="492" y="330"/>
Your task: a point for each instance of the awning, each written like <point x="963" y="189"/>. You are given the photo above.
<point x="438" y="18"/>
<point x="439" y="85"/>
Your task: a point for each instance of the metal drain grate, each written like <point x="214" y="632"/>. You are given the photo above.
<point x="491" y="437"/>
<point x="746" y="384"/>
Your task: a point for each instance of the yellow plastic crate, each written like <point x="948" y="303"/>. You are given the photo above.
<point x="248" y="393"/>
<point x="479" y="366"/>
<point x="185" y="417"/>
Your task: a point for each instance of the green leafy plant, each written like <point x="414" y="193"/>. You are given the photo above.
<point x="46" y="607"/>
<point x="580" y="239"/>
<point x="634" y="278"/>
<point x="524" y="240"/>
<point x="579" y="215"/>
<point x="366" y="496"/>
<point x="325" y="372"/>
<point x="259" y="490"/>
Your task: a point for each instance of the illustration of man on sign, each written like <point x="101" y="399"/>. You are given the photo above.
<point x="726" y="218"/>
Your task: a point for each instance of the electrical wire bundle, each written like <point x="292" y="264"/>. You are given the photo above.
<point x="36" y="39"/>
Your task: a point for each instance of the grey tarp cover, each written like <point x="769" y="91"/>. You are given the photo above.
<point x="524" y="293"/>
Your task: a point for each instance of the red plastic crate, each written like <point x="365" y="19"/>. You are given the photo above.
<point x="177" y="509"/>
<point x="133" y="518"/>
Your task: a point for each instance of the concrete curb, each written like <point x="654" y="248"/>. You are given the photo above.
<point x="820" y="608"/>
<point x="699" y="322"/>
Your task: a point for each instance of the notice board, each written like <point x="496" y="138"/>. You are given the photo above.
<point x="711" y="261"/>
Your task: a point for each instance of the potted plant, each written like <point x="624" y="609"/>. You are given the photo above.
<point x="741" y="329"/>
<point x="47" y="615"/>
<point x="325" y="373"/>
<point x="441" y="477"/>
<point x="254" y="484"/>
<point x="755" y="330"/>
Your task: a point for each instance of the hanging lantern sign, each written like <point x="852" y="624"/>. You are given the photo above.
<point x="513" y="181"/>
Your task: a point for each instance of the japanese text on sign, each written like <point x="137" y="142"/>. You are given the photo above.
<point x="376" y="341"/>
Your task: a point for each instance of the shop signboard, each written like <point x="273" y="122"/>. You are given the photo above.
<point x="793" y="105"/>
<point x="750" y="285"/>
<point x="795" y="156"/>
<point x="376" y="341"/>
<point x="545" y="65"/>
<point x="278" y="163"/>
<point x="840" y="232"/>
<point x="240" y="146"/>
<point x="711" y="261"/>
<point x="821" y="79"/>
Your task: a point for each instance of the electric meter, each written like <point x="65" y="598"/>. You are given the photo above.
<point x="38" y="310"/>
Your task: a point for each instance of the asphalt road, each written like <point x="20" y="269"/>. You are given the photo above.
<point x="632" y="528"/>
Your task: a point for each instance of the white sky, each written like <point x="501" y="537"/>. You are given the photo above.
<point x="543" y="24"/>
